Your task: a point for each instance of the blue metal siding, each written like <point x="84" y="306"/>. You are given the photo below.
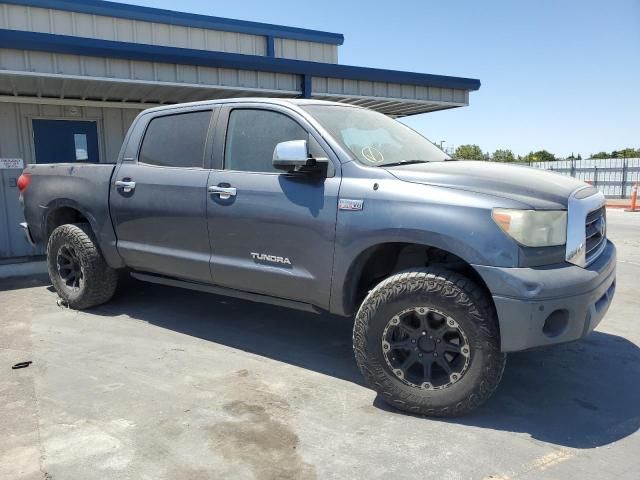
<point x="148" y="14"/>
<point x="65" y="44"/>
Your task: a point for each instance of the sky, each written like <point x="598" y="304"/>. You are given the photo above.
<point x="559" y="75"/>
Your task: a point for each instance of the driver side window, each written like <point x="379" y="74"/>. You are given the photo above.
<point x="253" y="134"/>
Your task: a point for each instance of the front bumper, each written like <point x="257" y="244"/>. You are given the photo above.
<point x="548" y="305"/>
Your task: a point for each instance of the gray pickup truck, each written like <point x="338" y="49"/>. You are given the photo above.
<point x="446" y="265"/>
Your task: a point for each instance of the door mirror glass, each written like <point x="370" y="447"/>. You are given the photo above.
<point x="293" y="156"/>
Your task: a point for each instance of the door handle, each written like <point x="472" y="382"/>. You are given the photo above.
<point x="223" y="192"/>
<point x="126" y="186"/>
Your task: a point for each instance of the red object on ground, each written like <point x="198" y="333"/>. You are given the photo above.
<point x="634" y="198"/>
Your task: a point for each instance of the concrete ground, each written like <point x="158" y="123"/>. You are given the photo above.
<point x="163" y="383"/>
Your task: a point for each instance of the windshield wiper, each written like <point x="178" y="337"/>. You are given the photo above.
<point x="405" y="162"/>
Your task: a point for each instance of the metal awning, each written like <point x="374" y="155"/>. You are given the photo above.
<point x="46" y="88"/>
<point x="394" y="93"/>
<point x="34" y="87"/>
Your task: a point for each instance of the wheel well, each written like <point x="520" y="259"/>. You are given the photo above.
<point x="62" y="216"/>
<point x="379" y="262"/>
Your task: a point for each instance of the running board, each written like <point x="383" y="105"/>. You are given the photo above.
<point x="227" y="292"/>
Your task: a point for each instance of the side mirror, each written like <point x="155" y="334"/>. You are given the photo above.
<point x="294" y="157"/>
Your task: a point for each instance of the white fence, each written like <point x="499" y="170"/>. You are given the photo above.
<point x="613" y="176"/>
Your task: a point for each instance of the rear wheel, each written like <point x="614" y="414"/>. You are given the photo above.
<point x="77" y="269"/>
<point x="427" y="341"/>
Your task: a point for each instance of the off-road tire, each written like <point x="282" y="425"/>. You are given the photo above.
<point x="99" y="281"/>
<point x="453" y="294"/>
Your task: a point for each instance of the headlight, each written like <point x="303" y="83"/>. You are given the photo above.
<point x="533" y="228"/>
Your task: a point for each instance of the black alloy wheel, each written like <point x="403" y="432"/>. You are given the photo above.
<point x="78" y="271"/>
<point x="69" y="267"/>
<point x="425" y="348"/>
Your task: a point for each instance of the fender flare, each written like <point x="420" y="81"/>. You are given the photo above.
<point x="106" y="246"/>
<point x="346" y="277"/>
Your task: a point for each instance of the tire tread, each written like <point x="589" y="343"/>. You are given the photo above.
<point x="100" y="279"/>
<point x="454" y="287"/>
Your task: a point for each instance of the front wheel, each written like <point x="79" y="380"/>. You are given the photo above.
<point x="427" y="341"/>
<point x="77" y="269"/>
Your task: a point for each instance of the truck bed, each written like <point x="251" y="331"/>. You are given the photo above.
<point x="82" y="186"/>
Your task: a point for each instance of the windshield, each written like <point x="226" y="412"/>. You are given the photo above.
<point x="374" y="139"/>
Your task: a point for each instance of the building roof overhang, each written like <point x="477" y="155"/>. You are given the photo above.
<point x="67" y="44"/>
<point x="42" y="84"/>
<point x="171" y="17"/>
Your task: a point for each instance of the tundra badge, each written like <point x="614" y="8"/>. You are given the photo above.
<point x="263" y="257"/>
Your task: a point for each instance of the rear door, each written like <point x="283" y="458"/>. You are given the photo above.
<point x="274" y="233"/>
<point x="159" y="200"/>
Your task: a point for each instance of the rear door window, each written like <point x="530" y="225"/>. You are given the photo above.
<point x="176" y="140"/>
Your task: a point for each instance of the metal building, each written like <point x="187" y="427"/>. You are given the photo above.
<point x="75" y="73"/>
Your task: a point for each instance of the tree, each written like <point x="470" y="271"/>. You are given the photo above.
<point x="623" y="153"/>
<point x="503" y="156"/>
<point x="540" y="156"/>
<point x="469" y="152"/>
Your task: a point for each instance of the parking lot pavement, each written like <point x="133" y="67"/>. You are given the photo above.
<point x="164" y="383"/>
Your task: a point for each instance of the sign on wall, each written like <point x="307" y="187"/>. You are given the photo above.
<point x="9" y="163"/>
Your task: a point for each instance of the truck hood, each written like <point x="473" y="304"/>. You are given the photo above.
<point x="533" y="187"/>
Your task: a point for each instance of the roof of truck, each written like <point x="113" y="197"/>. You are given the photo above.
<point x="266" y="100"/>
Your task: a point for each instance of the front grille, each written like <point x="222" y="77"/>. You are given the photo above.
<point x="595" y="233"/>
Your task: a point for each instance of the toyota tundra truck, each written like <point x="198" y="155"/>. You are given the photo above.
<point x="446" y="265"/>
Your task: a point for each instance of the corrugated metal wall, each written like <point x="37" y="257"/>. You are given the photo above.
<point x="613" y="176"/>
<point x="338" y="86"/>
<point x="301" y="50"/>
<point x="277" y="83"/>
<point x="16" y="141"/>
<point x="98" y="67"/>
<point x="44" y="20"/>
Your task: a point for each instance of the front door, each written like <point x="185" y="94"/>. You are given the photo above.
<point x="159" y="200"/>
<point x="272" y="233"/>
<point x="64" y="141"/>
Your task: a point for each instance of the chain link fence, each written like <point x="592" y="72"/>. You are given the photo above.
<point x="614" y="177"/>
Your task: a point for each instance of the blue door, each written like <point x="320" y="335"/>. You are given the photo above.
<point x="65" y="141"/>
